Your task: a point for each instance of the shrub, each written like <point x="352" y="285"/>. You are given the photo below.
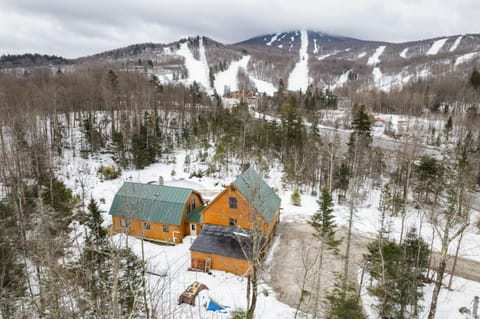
<point x="109" y="172"/>
<point x="296" y="199"/>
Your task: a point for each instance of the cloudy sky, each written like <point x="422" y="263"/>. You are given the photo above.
<point x="74" y="28"/>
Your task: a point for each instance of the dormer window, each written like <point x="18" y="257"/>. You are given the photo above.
<point x="233" y="202"/>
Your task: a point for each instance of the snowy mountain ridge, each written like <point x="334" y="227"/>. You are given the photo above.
<point x="299" y="58"/>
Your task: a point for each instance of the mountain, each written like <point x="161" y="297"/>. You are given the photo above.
<point x="299" y="58"/>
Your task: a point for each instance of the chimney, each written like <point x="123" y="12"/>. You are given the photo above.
<point x="160" y="180"/>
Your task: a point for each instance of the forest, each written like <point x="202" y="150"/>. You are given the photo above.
<point x="138" y="121"/>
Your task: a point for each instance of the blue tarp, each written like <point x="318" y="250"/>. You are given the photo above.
<point x="216" y="307"/>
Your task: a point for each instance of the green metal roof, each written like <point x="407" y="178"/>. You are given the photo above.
<point x="156" y="203"/>
<point x="195" y="216"/>
<point x="258" y="193"/>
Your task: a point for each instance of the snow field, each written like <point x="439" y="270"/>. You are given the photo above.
<point x="455" y="44"/>
<point x="436" y="47"/>
<point x="197" y="69"/>
<point x="375" y="58"/>
<point x="173" y="261"/>
<point x="229" y="76"/>
<point x="298" y="78"/>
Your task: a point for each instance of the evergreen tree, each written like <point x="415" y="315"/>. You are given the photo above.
<point x="97" y="234"/>
<point x="344" y="304"/>
<point x="448" y="126"/>
<point x="12" y="272"/>
<point x="323" y="221"/>
<point x="398" y="272"/>
<point x="324" y="231"/>
<point x="474" y="79"/>
<point x="361" y="130"/>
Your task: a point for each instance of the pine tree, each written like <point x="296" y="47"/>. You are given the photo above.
<point x="344" y="304"/>
<point x="324" y="231"/>
<point x="397" y="271"/>
<point x="474" y="79"/>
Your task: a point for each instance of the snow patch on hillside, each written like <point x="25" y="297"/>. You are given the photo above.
<point x="323" y="57"/>
<point x="229" y="76"/>
<point x="465" y="58"/>
<point x="273" y="39"/>
<point x="456" y="44"/>
<point x="377" y="76"/>
<point x="197" y="69"/>
<point x="436" y="46"/>
<point x="375" y="58"/>
<point x="264" y="86"/>
<point x="403" y="54"/>
<point x="315" y="46"/>
<point x="361" y="55"/>
<point x="386" y="82"/>
<point x="298" y="78"/>
<point x="342" y="79"/>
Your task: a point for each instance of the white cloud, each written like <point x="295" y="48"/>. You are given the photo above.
<point x="76" y="28"/>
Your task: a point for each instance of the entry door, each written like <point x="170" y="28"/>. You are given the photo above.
<point x="193" y="229"/>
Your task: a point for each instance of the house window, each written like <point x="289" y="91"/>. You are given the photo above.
<point x="124" y="223"/>
<point x="233" y="202"/>
<point x="166" y="229"/>
<point x="146" y="225"/>
<point x="193" y="203"/>
<point x="188" y="208"/>
<point x="233" y="222"/>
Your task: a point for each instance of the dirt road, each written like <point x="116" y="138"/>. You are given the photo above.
<point x="295" y="265"/>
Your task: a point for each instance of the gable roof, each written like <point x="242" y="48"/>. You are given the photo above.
<point x="195" y="216"/>
<point x="258" y="194"/>
<point x="156" y="203"/>
<point x="224" y="241"/>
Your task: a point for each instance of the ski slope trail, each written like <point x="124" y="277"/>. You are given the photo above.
<point x="197" y="69"/>
<point x="298" y="78"/>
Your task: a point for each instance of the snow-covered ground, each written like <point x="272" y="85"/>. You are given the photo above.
<point x="456" y="44"/>
<point x="229" y="76"/>
<point x="375" y="58"/>
<point x="197" y="69"/>
<point x="436" y="47"/>
<point x="342" y="79"/>
<point x="449" y="302"/>
<point x="264" y="86"/>
<point x="228" y="289"/>
<point x="465" y="58"/>
<point x="299" y="78"/>
<point x="403" y="54"/>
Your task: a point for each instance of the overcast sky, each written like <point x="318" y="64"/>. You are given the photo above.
<point x="74" y="28"/>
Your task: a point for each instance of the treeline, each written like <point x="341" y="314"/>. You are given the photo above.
<point x="455" y="93"/>
<point x="30" y="60"/>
